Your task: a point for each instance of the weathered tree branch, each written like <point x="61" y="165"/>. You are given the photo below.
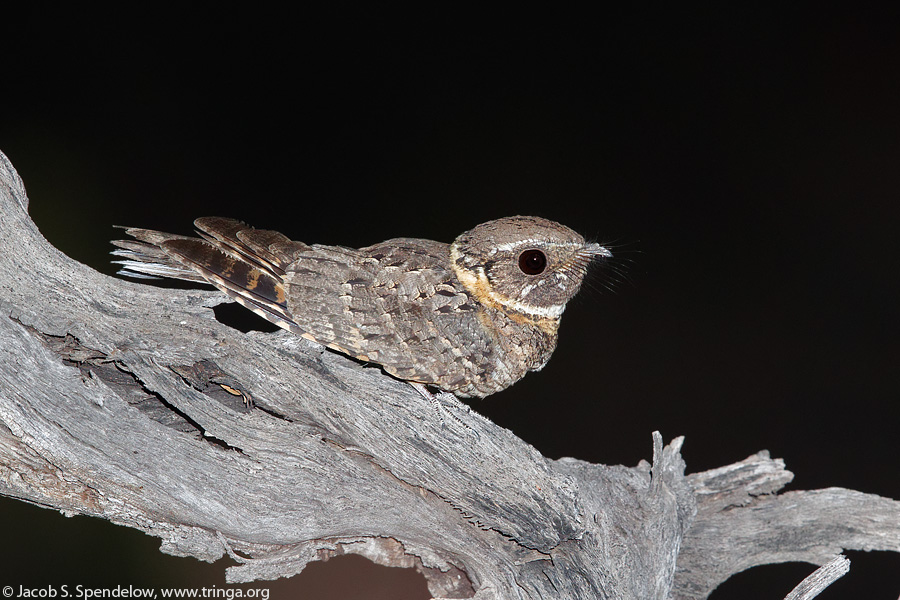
<point x="820" y="579"/>
<point x="129" y="402"/>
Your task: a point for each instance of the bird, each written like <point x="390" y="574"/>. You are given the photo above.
<point x="469" y="318"/>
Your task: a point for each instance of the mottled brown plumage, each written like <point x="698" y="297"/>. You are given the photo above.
<point x="471" y="317"/>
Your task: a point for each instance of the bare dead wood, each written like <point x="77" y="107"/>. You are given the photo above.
<point x="128" y="402"/>
<point x="820" y="579"/>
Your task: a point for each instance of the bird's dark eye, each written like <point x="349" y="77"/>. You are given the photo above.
<point x="532" y="262"/>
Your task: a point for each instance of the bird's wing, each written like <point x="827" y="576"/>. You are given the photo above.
<point x="396" y="304"/>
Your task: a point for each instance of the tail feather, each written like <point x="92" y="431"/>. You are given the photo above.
<point x="146" y="260"/>
<point x="246" y="271"/>
<point x="264" y="248"/>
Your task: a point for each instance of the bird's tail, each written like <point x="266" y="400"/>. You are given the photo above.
<point x="144" y="258"/>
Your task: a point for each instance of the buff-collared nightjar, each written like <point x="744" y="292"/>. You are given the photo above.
<point x="471" y="317"/>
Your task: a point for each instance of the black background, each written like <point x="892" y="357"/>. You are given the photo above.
<point x="743" y="164"/>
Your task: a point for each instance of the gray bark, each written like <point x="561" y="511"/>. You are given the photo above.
<point x="820" y="579"/>
<point x="132" y="403"/>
